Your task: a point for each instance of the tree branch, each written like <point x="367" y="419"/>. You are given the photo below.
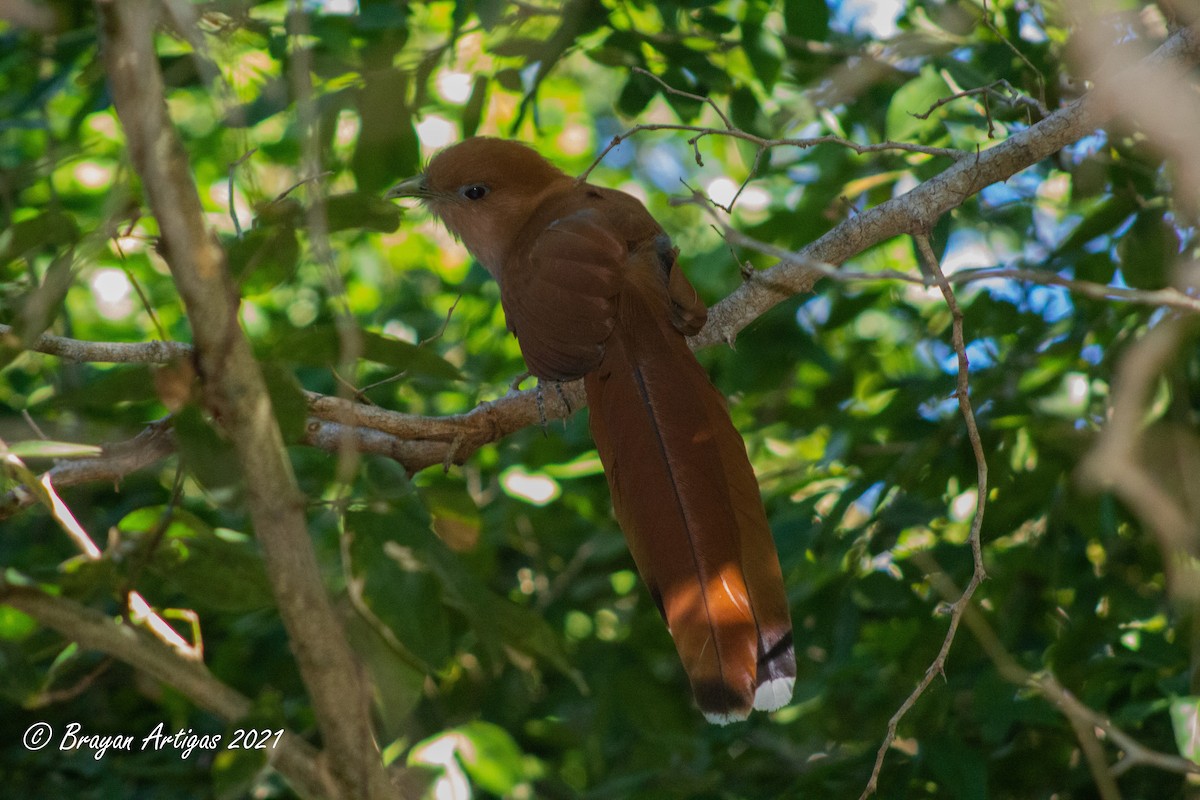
<point x="102" y="352"/>
<point x="919" y="209"/>
<point x="960" y="605"/>
<point x="237" y="396"/>
<point x="115" y="461"/>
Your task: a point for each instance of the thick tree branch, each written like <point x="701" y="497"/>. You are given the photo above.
<point x="236" y="394"/>
<point x="919" y="209"/>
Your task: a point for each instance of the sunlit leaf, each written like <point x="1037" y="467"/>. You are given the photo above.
<point x="43" y="449"/>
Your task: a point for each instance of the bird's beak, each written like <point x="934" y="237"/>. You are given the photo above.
<point x="413" y="187"/>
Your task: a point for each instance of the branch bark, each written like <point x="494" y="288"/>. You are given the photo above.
<point x="918" y="210"/>
<point x="236" y="395"/>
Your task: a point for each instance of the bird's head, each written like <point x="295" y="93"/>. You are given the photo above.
<point x="484" y="190"/>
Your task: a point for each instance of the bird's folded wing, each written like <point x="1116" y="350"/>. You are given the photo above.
<point x="560" y="294"/>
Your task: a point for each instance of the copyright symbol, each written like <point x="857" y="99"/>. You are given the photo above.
<point x="37" y="735"/>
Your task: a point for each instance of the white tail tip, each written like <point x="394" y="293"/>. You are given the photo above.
<point x="774" y="694"/>
<point x="725" y="718"/>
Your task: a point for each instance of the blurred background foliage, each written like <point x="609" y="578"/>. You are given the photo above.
<point x="514" y="651"/>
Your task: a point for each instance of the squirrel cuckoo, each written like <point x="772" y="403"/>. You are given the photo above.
<point x="591" y="288"/>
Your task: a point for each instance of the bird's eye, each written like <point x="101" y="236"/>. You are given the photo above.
<point x="476" y="191"/>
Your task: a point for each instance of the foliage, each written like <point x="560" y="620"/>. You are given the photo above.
<point x="511" y="646"/>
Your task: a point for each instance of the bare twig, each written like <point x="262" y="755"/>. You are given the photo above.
<point x="1041" y="82"/>
<point x="1133" y="752"/>
<point x="960" y="605"/>
<point x="671" y="90"/>
<point x="765" y="143"/>
<point x="49" y="697"/>
<point x="1010" y="96"/>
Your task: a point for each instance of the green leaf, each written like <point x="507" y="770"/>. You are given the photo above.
<point x="217" y="569"/>
<point x="494" y="761"/>
<point x="271" y="100"/>
<point x="712" y="21"/>
<point x="208" y="456"/>
<point x="85" y="578"/>
<point x="1185" y="719"/>
<point x="487" y="753"/>
<point x="746" y="112"/>
<point x="1103" y="218"/>
<point x="50" y="229"/>
<point x="39" y="307"/>
<point x="807" y="19"/>
<point x="319" y="346"/>
<point x="23" y="676"/>
<point x="490" y="12"/>
<point x="362" y="211"/>
<point x="223" y="571"/>
<point x="509" y="80"/>
<point x="43" y="449"/>
<point x="918" y="96"/>
<point x="264" y="257"/>
<point x="637" y="93"/>
<point x="387" y="148"/>
<point x="146" y="520"/>
<point x="472" y="113"/>
<point x="287" y="399"/>
<point x="1148" y="251"/>
<point x="398" y="680"/>
<point x="762" y="48"/>
<point x="390" y="551"/>
<point x="236" y="771"/>
<point x="15" y="625"/>
<point x="110" y="388"/>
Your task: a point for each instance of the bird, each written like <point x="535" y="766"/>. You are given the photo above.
<point x="591" y="286"/>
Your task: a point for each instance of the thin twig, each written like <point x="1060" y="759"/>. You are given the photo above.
<point x="233" y="215"/>
<point x="115" y="462"/>
<point x="104" y="352"/>
<point x="1012" y="98"/>
<point x="959" y="607"/>
<point x="1041" y="82"/>
<point x="766" y="143"/>
<point x="671" y="90"/>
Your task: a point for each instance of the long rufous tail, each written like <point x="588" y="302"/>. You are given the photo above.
<point x="688" y="502"/>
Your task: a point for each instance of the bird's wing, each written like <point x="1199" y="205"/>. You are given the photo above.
<point x="688" y="312"/>
<point x="560" y="293"/>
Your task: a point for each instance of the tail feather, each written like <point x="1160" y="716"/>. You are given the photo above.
<point x="688" y="502"/>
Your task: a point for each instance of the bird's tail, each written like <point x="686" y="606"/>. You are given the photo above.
<point x="688" y="502"/>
